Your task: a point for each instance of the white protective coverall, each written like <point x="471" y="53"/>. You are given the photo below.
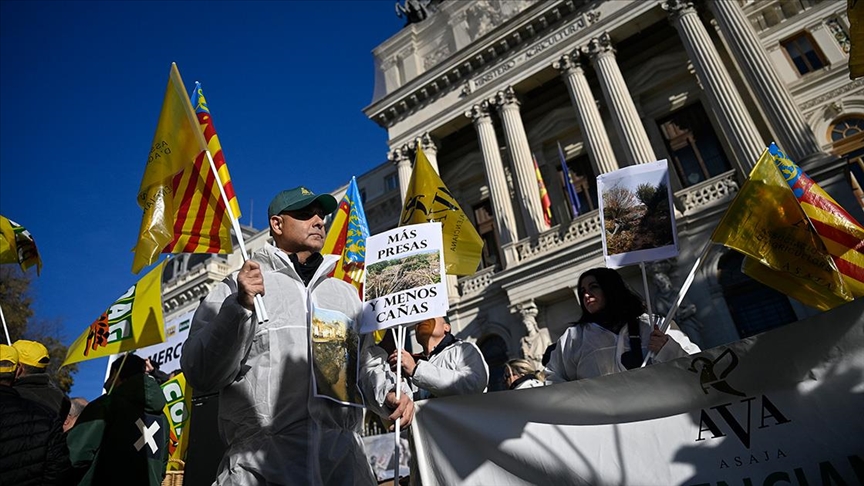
<point x="589" y="350"/>
<point x="276" y="431"/>
<point x="454" y="368"/>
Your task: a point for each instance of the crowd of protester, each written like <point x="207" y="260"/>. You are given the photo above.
<point x="276" y="431"/>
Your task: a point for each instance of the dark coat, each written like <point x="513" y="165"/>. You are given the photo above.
<point x="32" y="444"/>
<point x="39" y="388"/>
<point x="122" y="438"/>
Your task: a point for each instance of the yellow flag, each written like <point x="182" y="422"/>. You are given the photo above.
<point x="133" y="321"/>
<point x="178" y="399"/>
<point x="428" y="200"/>
<point x="766" y="223"/>
<point x="176" y="144"/>
<point x="8" y="249"/>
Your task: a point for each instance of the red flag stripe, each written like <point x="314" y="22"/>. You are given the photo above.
<point x="817" y="200"/>
<point x="849" y="269"/>
<point x="839" y="236"/>
<point x="198" y="223"/>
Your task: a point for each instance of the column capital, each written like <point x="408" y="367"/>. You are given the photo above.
<point x="399" y="154"/>
<point x="479" y="112"/>
<point x="678" y="8"/>
<point x="506" y="97"/>
<point x="527" y="310"/>
<point x="568" y="63"/>
<point x="599" y="46"/>
<point x="426" y="142"/>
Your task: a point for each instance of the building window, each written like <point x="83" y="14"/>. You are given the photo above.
<point x="584" y="181"/>
<point x="363" y="196"/>
<point x="486" y="228"/>
<point x="693" y="147"/>
<point x="847" y="135"/>
<point x="804" y="53"/>
<point x="391" y="182"/>
<point x="754" y="307"/>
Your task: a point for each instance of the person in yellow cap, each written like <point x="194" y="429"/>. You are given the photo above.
<point x="33" y="382"/>
<point x="32" y="445"/>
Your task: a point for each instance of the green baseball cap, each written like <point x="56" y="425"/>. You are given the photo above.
<point x="299" y="198"/>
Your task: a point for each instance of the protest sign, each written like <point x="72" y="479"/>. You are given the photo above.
<point x="404" y="277"/>
<point x="637" y="214"/>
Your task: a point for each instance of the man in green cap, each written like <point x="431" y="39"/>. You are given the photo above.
<point x="276" y="430"/>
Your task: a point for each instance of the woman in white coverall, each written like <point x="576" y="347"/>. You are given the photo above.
<point x="614" y="333"/>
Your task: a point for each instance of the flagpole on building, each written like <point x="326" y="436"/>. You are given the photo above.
<point x="667" y="321"/>
<point x="260" y="310"/>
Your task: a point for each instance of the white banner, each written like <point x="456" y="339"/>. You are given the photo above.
<point x="404" y="277"/>
<point x="167" y="354"/>
<point x="784" y="407"/>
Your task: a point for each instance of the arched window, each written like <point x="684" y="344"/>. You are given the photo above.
<point x="754" y="307"/>
<point x="847" y="135"/>
<point x="494" y="350"/>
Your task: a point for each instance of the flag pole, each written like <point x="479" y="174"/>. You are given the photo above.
<point x="117" y="375"/>
<point x="647" y="293"/>
<point x="667" y="321"/>
<point x="5" y="328"/>
<point x="260" y="310"/>
<point x="399" y="335"/>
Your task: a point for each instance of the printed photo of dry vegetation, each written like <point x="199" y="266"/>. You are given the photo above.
<point x="639" y="219"/>
<point x="391" y="276"/>
<point x="334" y="357"/>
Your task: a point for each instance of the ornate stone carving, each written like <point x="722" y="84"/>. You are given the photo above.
<point x="399" y="154"/>
<point x="478" y="111"/>
<point x="833" y="94"/>
<point x="708" y="192"/>
<point x="506" y="96"/>
<point x="476" y="283"/>
<point x="567" y="62"/>
<point x="840" y="34"/>
<point x="436" y="56"/>
<point x="536" y="340"/>
<point x="484" y="15"/>
<point x="677" y="8"/>
<point x="581" y="228"/>
<point x="600" y="45"/>
<point x="426" y="143"/>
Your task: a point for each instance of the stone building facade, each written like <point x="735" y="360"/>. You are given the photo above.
<point x="487" y="86"/>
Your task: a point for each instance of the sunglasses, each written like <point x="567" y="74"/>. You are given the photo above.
<point x="307" y="213"/>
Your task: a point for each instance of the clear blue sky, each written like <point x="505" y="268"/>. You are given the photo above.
<point x="81" y="87"/>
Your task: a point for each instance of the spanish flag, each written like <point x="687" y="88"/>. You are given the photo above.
<point x="133" y="321"/>
<point x="545" y="202"/>
<point x="428" y="200"/>
<point x="766" y="223"/>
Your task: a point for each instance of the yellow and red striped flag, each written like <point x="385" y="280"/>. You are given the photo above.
<point x="842" y="235"/>
<point x="766" y="223"/>
<point x="544" y="195"/>
<point x="177" y="143"/>
<point x="347" y="238"/>
<point x="201" y="222"/>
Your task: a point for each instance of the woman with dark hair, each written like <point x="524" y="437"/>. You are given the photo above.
<point x="614" y="333"/>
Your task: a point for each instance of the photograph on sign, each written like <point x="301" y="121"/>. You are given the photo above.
<point x="637" y="214"/>
<point x="405" y="280"/>
<point x="334" y="357"/>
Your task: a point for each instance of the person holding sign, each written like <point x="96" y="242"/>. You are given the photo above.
<point x="614" y="333"/>
<point x="447" y="366"/>
<point x="279" y="427"/>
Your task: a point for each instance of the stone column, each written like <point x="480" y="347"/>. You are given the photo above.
<point x="723" y="97"/>
<point x="794" y="135"/>
<point x="628" y="125"/>
<point x="593" y="132"/>
<point x="536" y="340"/>
<point x="523" y="164"/>
<point x="402" y="160"/>
<point x="505" y="222"/>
